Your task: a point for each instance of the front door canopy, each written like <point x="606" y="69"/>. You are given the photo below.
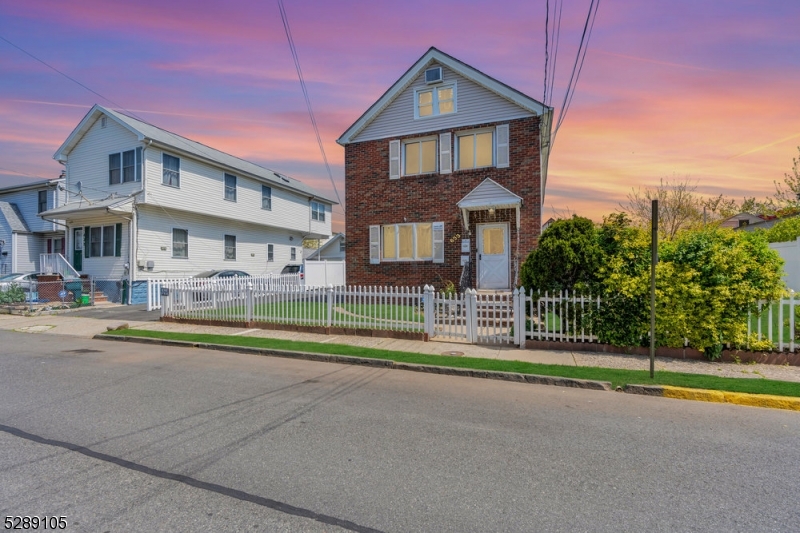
<point x="488" y="195"/>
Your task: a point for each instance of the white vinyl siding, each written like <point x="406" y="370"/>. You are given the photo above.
<point x="88" y="162"/>
<point x="28" y="204"/>
<point x="106" y="266"/>
<point x="206" y="234"/>
<point x="201" y="192"/>
<point x="476" y="105"/>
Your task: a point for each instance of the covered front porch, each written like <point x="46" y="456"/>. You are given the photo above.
<point x="491" y="216"/>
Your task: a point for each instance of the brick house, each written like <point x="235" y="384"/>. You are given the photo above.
<point x="444" y="178"/>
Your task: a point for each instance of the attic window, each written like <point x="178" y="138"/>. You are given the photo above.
<point x="103" y="122"/>
<point x="440" y="100"/>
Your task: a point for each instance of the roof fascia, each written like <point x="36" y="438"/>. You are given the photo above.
<point x="83" y="126"/>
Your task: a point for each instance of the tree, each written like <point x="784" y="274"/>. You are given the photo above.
<point x="567" y="257"/>
<point x="787" y="195"/>
<point x="786" y="230"/>
<point x="678" y="206"/>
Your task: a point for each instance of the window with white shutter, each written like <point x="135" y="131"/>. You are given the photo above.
<point x="374" y="244"/>
<point x="445" y="149"/>
<point x="394" y="160"/>
<point x="438" y="242"/>
<point x="502" y="146"/>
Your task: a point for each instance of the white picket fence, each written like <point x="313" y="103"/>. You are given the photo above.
<point x="269" y="282"/>
<point x="472" y="316"/>
<point x="394" y="309"/>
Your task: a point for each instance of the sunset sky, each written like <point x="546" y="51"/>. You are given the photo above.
<point x="706" y="90"/>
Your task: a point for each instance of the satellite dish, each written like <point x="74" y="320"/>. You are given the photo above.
<point x="78" y="185"/>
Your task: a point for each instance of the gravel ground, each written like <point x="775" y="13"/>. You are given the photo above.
<point x="729" y="370"/>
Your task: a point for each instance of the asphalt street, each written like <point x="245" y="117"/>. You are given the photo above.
<point x="123" y="437"/>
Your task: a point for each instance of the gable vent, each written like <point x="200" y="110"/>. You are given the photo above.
<point x="433" y="75"/>
<point x="103" y="122"/>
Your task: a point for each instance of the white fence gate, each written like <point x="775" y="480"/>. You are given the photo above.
<point x="485" y="318"/>
<point x="324" y="273"/>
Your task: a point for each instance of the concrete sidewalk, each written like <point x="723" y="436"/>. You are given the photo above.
<point x="85" y="326"/>
<point x="92" y="322"/>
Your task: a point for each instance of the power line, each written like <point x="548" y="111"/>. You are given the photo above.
<point x="577" y="66"/>
<point x="288" y="31"/>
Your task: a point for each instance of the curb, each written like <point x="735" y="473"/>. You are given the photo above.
<point x="702" y="395"/>
<point x="379" y="363"/>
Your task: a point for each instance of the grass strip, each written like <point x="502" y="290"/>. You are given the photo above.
<point x="617" y="377"/>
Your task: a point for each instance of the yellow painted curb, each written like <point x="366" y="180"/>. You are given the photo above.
<point x="753" y="400"/>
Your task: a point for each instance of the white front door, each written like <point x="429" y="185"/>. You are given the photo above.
<point x="493" y="256"/>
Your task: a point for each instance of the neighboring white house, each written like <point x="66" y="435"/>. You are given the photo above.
<point x="147" y="203"/>
<point x="330" y="250"/>
<point x="23" y="234"/>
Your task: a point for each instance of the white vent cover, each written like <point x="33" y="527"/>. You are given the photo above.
<point x="433" y="75"/>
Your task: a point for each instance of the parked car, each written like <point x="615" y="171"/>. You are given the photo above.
<point x="25" y="280"/>
<point x="223" y="274"/>
<point x="294" y="269"/>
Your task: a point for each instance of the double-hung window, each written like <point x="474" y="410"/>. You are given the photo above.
<point x="180" y="243"/>
<point x="230" y="187"/>
<point x="266" y="197"/>
<point x="318" y="211"/>
<point x="270" y="253"/>
<point x="293" y="254"/>
<point x="124" y="167"/>
<point x="475" y="149"/>
<point x="230" y="247"/>
<point x="42" y="201"/>
<point x="419" y="156"/>
<point x="439" y="100"/>
<point x="171" y="170"/>
<point x="103" y="241"/>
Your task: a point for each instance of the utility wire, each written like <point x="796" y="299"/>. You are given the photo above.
<point x="286" y="28"/>
<point x="577" y="66"/>
<point x="187" y="143"/>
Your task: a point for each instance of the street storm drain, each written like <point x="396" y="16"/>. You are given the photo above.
<point x="452" y="353"/>
<point x="83" y="350"/>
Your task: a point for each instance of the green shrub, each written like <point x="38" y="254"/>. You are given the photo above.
<point x="13" y="294"/>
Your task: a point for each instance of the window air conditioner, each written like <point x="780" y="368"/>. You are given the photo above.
<point x="433" y="75"/>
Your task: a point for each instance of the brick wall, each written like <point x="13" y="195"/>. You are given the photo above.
<point x="372" y="198"/>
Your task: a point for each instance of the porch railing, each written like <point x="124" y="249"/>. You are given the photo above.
<point x="57" y="264"/>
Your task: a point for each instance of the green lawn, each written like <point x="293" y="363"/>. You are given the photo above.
<point x="617" y="377"/>
<point x="307" y="313"/>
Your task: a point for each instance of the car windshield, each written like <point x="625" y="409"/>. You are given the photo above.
<point x="291" y="269"/>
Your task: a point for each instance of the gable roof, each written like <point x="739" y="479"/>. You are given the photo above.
<point x="437" y="56"/>
<point x="28" y="185"/>
<point x="163" y="138"/>
<point x="14" y="217"/>
<point x="328" y="244"/>
<point x="487" y="194"/>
